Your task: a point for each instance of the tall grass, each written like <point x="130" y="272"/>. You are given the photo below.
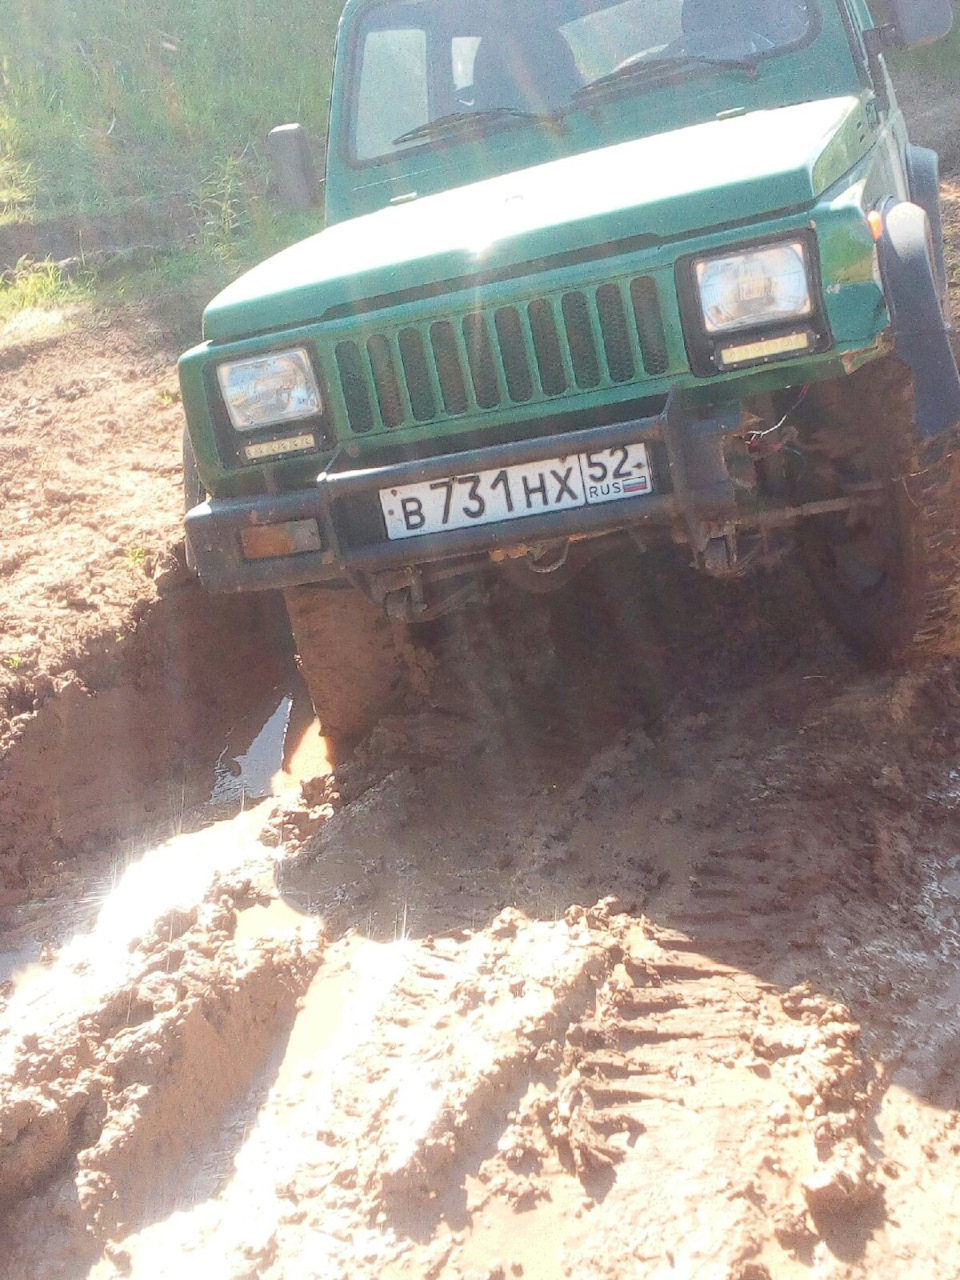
<point x="107" y="104"/>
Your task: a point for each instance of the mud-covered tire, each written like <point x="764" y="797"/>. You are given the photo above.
<point x="888" y="577"/>
<point x="353" y="659"/>
<point x="193" y="492"/>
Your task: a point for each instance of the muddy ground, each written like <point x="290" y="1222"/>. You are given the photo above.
<point x="634" y="954"/>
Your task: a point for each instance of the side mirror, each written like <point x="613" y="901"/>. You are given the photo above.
<point x="292" y="166"/>
<point x="920" y="21"/>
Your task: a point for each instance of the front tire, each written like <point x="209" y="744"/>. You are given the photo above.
<point x="888" y="576"/>
<point x="193" y="493"/>
<point x="353" y="660"/>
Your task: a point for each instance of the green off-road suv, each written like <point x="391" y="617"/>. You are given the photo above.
<point x="594" y="272"/>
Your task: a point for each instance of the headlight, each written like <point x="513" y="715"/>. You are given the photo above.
<point x="763" y="286"/>
<point x="270" y="390"/>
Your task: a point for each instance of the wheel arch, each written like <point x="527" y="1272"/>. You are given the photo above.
<point x="923" y="180"/>
<point x="921" y="334"/>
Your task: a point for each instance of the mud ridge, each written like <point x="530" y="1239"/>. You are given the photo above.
<point x="107" y="1101"/>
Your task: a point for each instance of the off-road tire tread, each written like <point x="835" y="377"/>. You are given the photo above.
<point x="935" y="487"/>
<point x="350" y="656"/>
<point x="926" y="476"/>
<point x="193" y="492"/>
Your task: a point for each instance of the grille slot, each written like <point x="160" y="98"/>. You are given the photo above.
<point x="583" y="349"/>
<point x="546" y="344"/>
<point x="513" y="353"/>
<point x="483" y="371"/>
<point x="389" y="394"/>
<point x="616" y="336"/>
<point x="353" y="382"/>
<point x="649" y="321"/>
<point x="417" y="375"/>
<point x="608" y="335"/>
<point x="443" y="339"/>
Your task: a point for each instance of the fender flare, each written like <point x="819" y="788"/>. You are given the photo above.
<point x="921" y="335"/>
<point x="923" y="180"/>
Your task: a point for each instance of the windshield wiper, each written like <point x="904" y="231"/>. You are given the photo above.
<point x="466" y="121"/>
<point x="659" y="68"/>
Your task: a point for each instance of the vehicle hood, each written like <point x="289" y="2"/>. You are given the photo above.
<point x="723" y="171"/>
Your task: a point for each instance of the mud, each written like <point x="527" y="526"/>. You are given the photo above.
<point x="131" y="751"/>
<point x="362" y="1030"/>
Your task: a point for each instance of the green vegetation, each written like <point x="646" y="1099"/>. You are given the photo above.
<point x="38" y="286"/>
<point x="942" y="58"/>
<point x="107" y="105"/>
<point x="205" y="266"/>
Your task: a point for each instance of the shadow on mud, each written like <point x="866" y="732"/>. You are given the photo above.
<point x="128" y="754"/>
<point x="563" y="708"/>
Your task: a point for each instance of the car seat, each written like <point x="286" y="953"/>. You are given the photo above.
<point x="533" y="72"/>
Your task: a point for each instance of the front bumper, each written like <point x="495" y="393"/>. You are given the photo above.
<point x="692" y="485"/>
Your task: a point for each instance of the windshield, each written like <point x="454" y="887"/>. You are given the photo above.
<point x="429" y="60"/>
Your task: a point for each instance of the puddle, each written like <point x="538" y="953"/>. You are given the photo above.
<point x="284" y="749"/>
<point x="251" y="773"/>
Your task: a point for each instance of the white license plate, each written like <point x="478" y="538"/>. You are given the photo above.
<point x="511" y="493"/>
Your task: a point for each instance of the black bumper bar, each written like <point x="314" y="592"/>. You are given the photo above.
<point x="694" y="450"/>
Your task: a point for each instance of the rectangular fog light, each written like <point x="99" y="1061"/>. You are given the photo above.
<point x="293" y="538"/>
<point x="766" y="349"/>
<point x="278" y="448"/>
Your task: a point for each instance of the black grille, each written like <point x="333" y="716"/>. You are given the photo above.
<point x="513" y="352"/>
<point x="480" y="355"/>
<point x="552" y="346"/>
<point x="616" y="337"/>
<point x="546" y="344"/>
<point x="417" y="373"/>
<point x="583" y="349"/>
<point x="385" y="380"/>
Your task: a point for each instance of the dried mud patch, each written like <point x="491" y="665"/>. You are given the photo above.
<point x="90" y="482"/>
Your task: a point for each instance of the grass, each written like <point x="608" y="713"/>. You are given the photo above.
<point x="203" y="268"/>
<point x="107" y="105"/>
<point x="39" y="286"/>
<point x="38" y="298"/>
<point x="942" y="58"/>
